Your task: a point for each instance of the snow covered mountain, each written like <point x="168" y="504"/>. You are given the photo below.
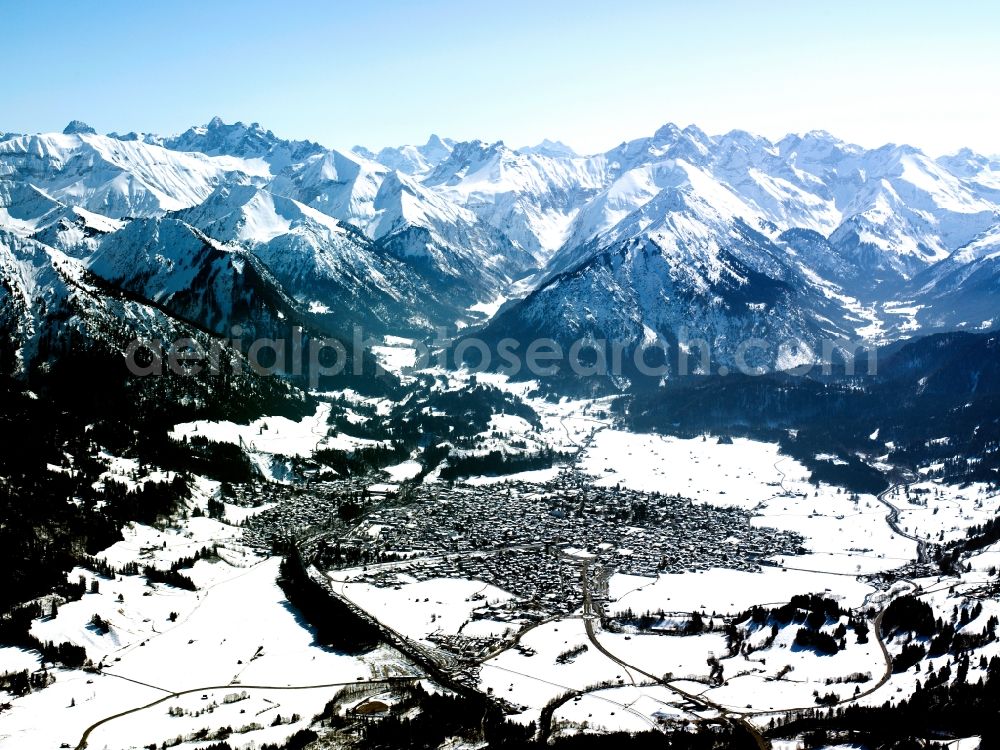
<point x="116" y="178"/>
<point x="28" y="211"/>
<point x="418" y="225"/>
<point x="350" y="237"/>
<point x="983" y="172"/>
<point x="962" y="291"/>
<point x="689" y="265"/>
<point x="412" y="160"/>
<point x="332" y="269"/>
<point x="549" y="148"/>
<point x="195" y="278"/>
<point x="844" y="232"/>
<point x="728" y="235"/>
<point x="60" y="324"/>
<point x="245" y="141"/>
<point x="447" y="241"/>
<point x="532" y="197"/>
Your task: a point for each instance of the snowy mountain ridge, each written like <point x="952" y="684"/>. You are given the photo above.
<point x="423" y="235"/>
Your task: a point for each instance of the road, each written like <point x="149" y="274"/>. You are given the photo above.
<point x="545" y="719"/>
<point x="923" y="547"/>
<point x="89" y="730"/>
<point x="588" y="620"/>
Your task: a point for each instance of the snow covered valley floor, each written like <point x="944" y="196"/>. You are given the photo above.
<point x="523" y="586"/>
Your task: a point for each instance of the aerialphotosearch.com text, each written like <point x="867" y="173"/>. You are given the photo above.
<point x="304" y="356"/>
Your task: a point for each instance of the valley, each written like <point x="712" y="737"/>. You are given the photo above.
<point x="265" y="491"/>
<point x="578" y="598"/>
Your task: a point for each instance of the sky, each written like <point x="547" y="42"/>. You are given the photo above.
<point x="589" y="74"/>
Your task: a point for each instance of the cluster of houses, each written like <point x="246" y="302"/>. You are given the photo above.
<point x="292" y="510"/>
<point x="530" y="538"/>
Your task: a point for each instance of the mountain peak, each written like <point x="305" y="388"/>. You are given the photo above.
<point x="743" y="136"/>
<point x="476" y="150"/>
<point x="668" y="132"/>
<point x="436" y="141"/>
<point x="821" y="135"/>
<point x="693" y="131"/>
<point x="549" y="148"/>
<point x="78" y="127"/>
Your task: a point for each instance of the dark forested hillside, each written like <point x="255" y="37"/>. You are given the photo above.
<point x="930" y="400"/>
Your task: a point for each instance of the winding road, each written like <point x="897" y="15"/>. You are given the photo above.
<point x="89" y="730"/>
<point x="923" y="547"/>
<point x="735" y="719"/>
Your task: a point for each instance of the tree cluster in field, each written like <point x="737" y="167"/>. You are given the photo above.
<point x="214" y="508"/>
<point x="361" y="460"/>
<point x="471" y="717"/>
<point x="300" y="740"/>
<point x="499" y="463"/>
<point x="336" y="556"/>
<point x="977" y="538"/>
<point x="570" y="654"/>
<point x="67" y="654"/>
<point x="812" y="609"/>
<point x="333" y="623"/>
<point x="809" y="611"/>
<point x="694" y="622"/>
<point x="99" y="624"/>
<point x="149" y="503"/>
<point x="816" y="640"/>
<point x="106" y="570"/>
<point x="15" y="630"/>
<point x="205" y="553"/>
<point x="23" y="681"/>
<point x="170" y="577"/>
<point x="910" y="614"/>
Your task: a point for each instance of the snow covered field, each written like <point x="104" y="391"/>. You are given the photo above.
<point x="417" y="609"/>
<point x="396" y="355"/>
<point x="275" y="435"/>
<point x="728" y="591"/>
<point x="743" y="474"/>
<point x="842" y="536"/>
<point x="565" y="424"/>
<point x="627" y="708"/>
<point x="402" y="471"/>
<point x="942" y="513"/>
<point x="530" y="680"/>
<point x="236" y="632"/>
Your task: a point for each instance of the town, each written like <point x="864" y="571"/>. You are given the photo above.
<point x="523" y="538"/>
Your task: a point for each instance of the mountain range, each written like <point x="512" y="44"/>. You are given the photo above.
<point x="726" y="237"/>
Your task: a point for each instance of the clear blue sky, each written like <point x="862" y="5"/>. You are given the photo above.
<point x="591" y="74"/>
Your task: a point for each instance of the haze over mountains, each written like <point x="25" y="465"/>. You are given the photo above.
<point x="726" y="237"/>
